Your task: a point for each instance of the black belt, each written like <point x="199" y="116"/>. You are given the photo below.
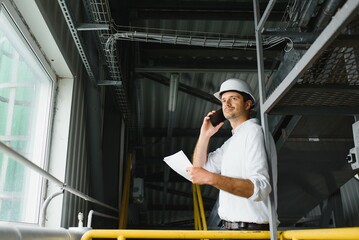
<point x="244" y="226"/>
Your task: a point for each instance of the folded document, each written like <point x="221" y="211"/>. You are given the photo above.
<point x="179" y="163"/>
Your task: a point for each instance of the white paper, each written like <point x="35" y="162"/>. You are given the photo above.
<point x="179" y="163"/>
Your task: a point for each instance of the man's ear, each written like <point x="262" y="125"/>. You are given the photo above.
<point x="248" y="105"/>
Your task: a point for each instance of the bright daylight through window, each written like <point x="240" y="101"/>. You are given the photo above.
<point x="25" y="103"/>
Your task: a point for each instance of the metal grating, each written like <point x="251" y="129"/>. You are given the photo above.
<point x="322" y="96"/>
<point x="333" y="80"/>
<point x="337" y="66"/>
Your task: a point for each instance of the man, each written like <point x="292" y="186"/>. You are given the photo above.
<point x="239" y="168"/>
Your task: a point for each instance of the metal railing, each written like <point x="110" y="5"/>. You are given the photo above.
<point x="92" y="212"/>
<point x="175" y="234"/>
<point x="312" y="234"/>
<point x="18" y="157"/>
<point x="322" y="234"/>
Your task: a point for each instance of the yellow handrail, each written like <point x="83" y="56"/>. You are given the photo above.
<point x="324" y="233"/>
<point x="312" y="234"/>
<point x="175" y="234"/>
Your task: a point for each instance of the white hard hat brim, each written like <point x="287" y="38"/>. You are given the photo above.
<point x="218" y="96"/>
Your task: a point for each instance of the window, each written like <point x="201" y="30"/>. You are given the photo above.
<point x="26" y="89"/>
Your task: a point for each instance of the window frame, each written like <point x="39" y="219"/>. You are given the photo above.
<point x="21" y="28"/>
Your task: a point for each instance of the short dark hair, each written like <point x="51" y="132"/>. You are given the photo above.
<point x="245" y="96"/>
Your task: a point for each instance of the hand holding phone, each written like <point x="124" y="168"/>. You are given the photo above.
<point x="217" y="117"/>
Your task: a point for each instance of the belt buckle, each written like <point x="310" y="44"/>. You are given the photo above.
<point x="236" y="225"/>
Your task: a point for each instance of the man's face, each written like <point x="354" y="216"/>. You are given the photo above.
<point x="234" y="105"/>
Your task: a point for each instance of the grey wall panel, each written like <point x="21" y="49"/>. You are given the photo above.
<point x="77" y="165"/>
<point x="350" y="196"/>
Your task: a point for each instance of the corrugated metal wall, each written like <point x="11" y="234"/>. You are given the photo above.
<point x="77" y="168"/>
<point x="350" y="196"/>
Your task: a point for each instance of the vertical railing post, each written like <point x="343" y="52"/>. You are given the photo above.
<point x="197" y="225"/>
<point x="259" y="24"/>
<point x="125" y="194"/>
<point x="201" y="207"/>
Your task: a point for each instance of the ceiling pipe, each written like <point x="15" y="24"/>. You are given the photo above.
<point x="192" y="39"/>
<point x="326" y="14"/>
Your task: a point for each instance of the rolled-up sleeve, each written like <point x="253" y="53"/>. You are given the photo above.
<point x="261" y="191"/>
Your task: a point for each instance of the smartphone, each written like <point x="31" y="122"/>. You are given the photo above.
<point x="217" y="117"/>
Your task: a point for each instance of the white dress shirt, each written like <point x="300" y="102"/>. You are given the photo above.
<point x="243" y="156"/>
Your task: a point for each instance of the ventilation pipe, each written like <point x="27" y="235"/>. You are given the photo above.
<point x="326" y="14"/>
<point x="187" y="38"/>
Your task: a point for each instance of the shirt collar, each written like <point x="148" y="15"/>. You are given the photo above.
<point x="253" y="120"/>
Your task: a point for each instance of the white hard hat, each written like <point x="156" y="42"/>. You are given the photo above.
<point x="238" y="85"/>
